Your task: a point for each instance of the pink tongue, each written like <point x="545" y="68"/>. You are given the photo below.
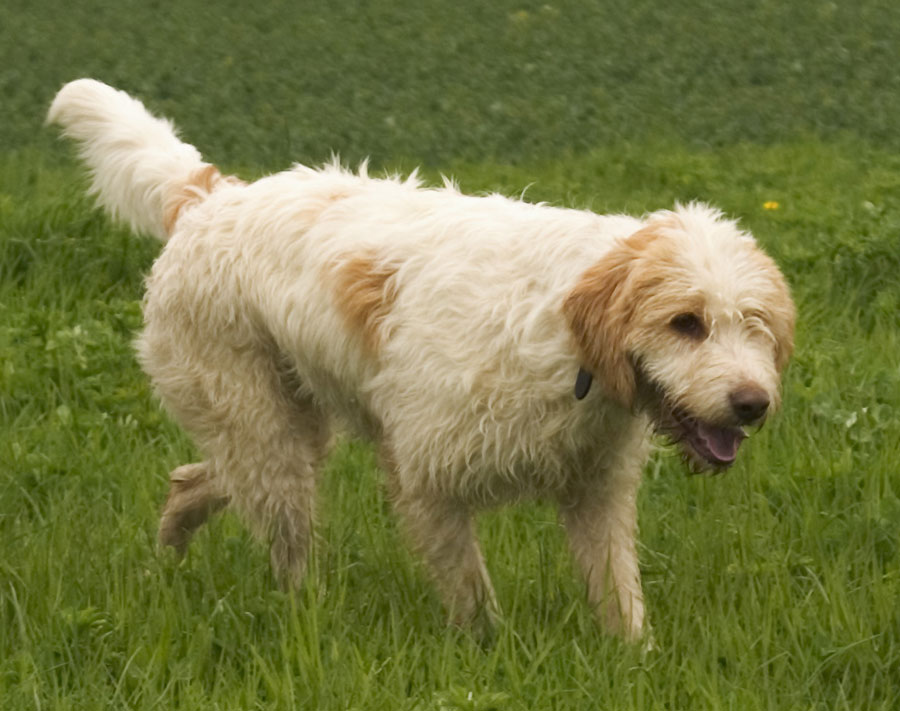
<point x="721" y="442"/>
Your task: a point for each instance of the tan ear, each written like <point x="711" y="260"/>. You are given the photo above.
<point x="783" y="316"/>
<point x="780" y="311"/>
<point x="599" y="311"/>
<point x="784" y="334"/>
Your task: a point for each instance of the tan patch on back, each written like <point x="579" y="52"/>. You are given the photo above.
<point x="365" y="292"/>
<point x="196" y="188"/>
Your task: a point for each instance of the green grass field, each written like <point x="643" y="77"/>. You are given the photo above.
<point x="776" y="586"/>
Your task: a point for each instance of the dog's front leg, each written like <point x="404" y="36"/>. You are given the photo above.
<point x="600" y="517"/>
<point x="442" y="531"/>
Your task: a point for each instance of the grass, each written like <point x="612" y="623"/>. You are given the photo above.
<point x="774" y="587"/>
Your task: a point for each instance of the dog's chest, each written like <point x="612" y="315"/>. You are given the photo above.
<point x="491" y="456"/>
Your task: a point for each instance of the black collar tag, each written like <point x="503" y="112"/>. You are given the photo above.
<point x="582" y="383"/>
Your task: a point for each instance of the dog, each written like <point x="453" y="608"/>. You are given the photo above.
<point x="492" y="349"/>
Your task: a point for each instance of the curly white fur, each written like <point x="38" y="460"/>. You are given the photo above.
<point x="447" y="328"/>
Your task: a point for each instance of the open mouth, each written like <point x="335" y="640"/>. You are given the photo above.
<point x="714" y="446"/>
<point x="705" y="445"/>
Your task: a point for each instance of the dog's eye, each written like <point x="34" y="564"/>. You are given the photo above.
<point x="689" y="325"/>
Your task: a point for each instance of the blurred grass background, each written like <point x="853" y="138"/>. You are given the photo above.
<point x="774" y="587"/>
<point x="508" y="81"/>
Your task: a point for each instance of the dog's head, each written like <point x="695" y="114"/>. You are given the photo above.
<point x="688" y="321"/>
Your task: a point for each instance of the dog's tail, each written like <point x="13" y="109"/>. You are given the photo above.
<point x="141" y="172"/>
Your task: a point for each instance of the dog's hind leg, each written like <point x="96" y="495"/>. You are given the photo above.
<point x="194" y="495"/>
<point x="263" y="436"/>
<point x="268" y="456"/>
<point x="287" y="509"/>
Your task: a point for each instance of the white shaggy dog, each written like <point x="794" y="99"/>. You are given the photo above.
<point x="461" y="334"/>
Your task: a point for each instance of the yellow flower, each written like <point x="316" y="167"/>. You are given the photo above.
<point x="771" y="205"/>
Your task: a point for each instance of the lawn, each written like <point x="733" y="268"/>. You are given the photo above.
<point x="775" y="586"/>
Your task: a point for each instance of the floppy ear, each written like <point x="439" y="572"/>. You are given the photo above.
<point x="782" y="316"/>
<point x="778" y="307"/>
<point x="599" y="311"/>
<point x="783" y="330"/>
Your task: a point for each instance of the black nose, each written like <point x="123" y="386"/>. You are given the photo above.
<point x="749" y="403"/>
